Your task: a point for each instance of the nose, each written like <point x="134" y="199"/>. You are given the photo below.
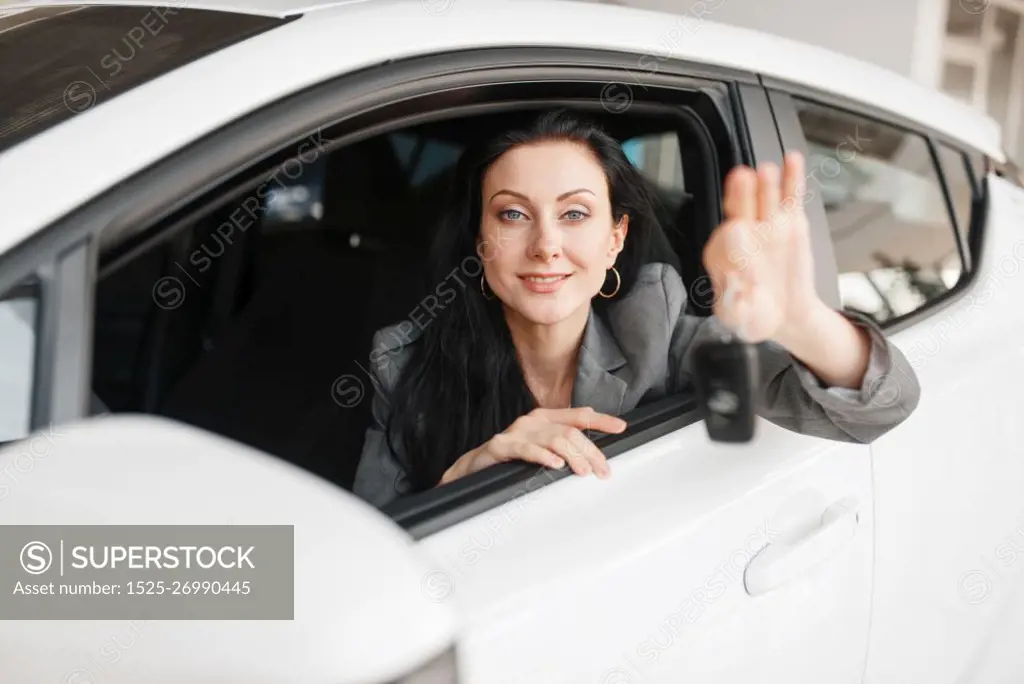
<point x="546" y="242"/>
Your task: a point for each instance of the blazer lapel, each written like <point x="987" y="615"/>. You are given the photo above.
<point x="600" y="355"/>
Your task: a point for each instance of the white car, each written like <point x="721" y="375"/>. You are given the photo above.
<point x="209" y="206"/>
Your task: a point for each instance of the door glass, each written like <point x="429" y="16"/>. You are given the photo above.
<point x="895" y="241"/>
<point x="657" y="157"/>
<point x="423" y="158"/>
<point x="296" y="201"/>
<point x="18" y="319"/>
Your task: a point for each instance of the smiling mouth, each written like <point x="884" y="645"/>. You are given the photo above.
<point x="545" y="279"/>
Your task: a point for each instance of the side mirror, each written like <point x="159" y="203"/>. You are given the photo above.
<point x="360" y="614"/>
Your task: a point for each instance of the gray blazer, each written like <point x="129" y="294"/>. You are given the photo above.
<point x="642" y="354"/>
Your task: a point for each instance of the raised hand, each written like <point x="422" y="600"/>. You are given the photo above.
<point x="759" y="259"/>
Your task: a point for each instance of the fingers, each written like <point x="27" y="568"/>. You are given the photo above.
<point x="727" y="254"/>
<point x="535" y="453"/>
<point x="757" y="195"/>
<point x="793" y="177"/>
<point x="769" y="191"/>
<point x="580" y="453"/>
<point x="505" y="447"/>
<point x="584" y="418"/>
<point x="740" y="201"/>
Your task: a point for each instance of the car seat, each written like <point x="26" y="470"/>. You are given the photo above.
<point x="267" y="380"/>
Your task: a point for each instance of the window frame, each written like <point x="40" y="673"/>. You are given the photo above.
<point x="977" y="185"/>
<point x="60" y="277"/>
<point x="784" y="98"/>
<point x="30" y="289"/>
<point x="65" y="255"/>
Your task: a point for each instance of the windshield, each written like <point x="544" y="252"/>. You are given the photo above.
<point x="62" y="61"/>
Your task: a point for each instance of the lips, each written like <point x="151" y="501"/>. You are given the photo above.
<point x="545" y="278"/>
<point x="544" y="283"/>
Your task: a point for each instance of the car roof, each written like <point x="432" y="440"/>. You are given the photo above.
<point x="107" y="144"/>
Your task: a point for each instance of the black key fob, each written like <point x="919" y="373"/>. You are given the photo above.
<point x="726" y="378"/>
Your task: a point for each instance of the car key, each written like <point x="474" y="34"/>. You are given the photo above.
<point x="727" y="378"/>
<point x="725" y="374"/>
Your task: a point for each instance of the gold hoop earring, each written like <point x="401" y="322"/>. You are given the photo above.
<point x="618" y="284"/>
<point x="482" y="290"/>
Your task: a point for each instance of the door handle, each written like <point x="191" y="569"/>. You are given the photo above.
<point x="783" y="561"/>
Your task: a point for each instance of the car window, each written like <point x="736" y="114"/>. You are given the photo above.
<point x="239" y="321"/>
<point x="18" y="325"/>
<point x="657" y="156"/>
<point x="423" y="158"/>
<point x="437" y="156"/>
<point x="895" y="245"/>
<point x="296" y="200"/>
<point x="658" y="159"/>
<point x="299" y="200"/>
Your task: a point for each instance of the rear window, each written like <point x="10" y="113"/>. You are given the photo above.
<point x="62" y="61"/>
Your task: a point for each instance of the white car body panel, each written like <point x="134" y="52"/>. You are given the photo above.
<point x="354" y="570"/>
<point x="119" y="138"/>
<point x="602" y="581"/>
<point x="949" y="555"/>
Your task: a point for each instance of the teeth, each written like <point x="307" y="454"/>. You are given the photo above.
<point x="551" y="279"/>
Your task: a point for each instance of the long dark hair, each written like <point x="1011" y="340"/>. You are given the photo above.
<point x="462" y="383"/>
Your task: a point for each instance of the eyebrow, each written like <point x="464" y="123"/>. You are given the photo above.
<point x="524" y="197"/>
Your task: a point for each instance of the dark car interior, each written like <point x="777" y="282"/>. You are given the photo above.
<point x="268" y="320"/>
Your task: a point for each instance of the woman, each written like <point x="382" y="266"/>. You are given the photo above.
<point x="567" y="324"/>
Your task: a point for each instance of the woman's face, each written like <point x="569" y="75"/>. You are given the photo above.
<point x="547" y="234"/>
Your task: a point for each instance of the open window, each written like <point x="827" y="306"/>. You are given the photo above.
<point x="249" y="311"/>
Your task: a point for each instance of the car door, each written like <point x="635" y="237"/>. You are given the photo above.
<point x="948" y="513"/>
<point x="697" y="561"/>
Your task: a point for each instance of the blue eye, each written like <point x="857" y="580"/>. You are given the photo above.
<point x="575" y="215"/>
<point x="511" y="214"/>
